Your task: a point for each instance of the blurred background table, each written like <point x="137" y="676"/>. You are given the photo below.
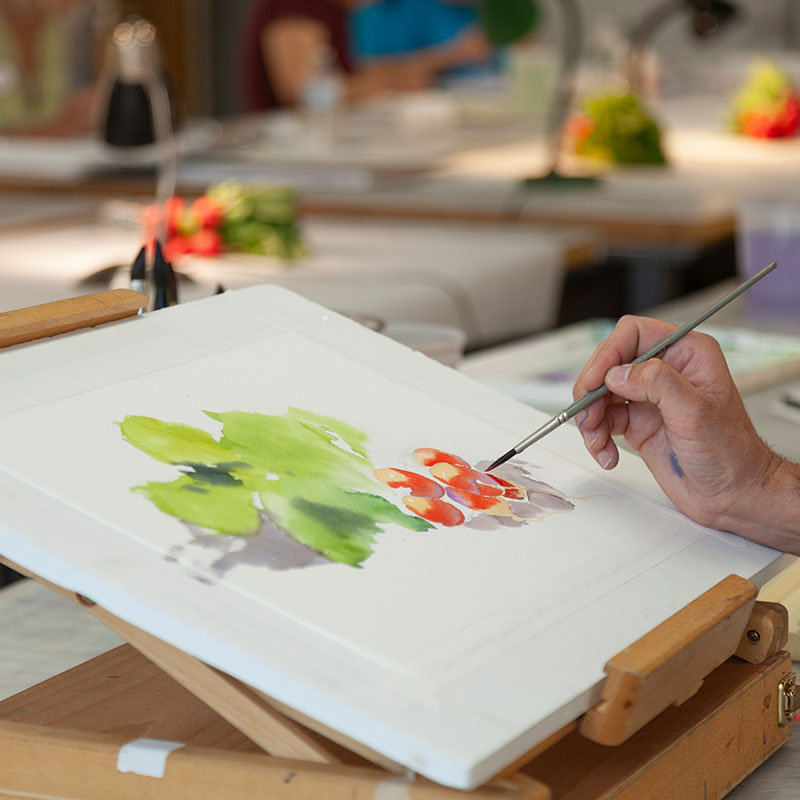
<point x="495" y="282"/>
<point x="667" y="230"/>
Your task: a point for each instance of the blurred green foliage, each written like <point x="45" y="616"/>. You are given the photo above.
<point x="260" y="220"/>
<point x="620" y="131"/>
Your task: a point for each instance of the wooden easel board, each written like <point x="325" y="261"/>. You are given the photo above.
<point x="451" y="650"/>
<point x="101" y="705"/>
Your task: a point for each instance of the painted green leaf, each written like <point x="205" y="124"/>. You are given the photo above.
<point x="354" y="438"/>
<point x="226" y="509"/>
<point x="173" y="442"/>
<point x="381" y="510"/>
<point x="293" y="445"/>
<point x="310" y="472"/>
<point x="340" y="524"/>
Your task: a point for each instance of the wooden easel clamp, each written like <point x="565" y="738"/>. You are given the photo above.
<point x="63" y="316"/>
<point x="710" y="671"/>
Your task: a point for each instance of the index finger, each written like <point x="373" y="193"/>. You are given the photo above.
<point x="631" y="337"/>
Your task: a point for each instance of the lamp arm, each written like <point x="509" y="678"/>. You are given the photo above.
<point x="166" y="146"/>
<point x="571" y="50"/>
<point x="643" y="33"/>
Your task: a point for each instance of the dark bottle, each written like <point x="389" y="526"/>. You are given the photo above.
<point x="129" y="122"/>
<point x="136" y="90"/>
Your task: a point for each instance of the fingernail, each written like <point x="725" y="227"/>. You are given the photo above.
<point x="604" y="459"/>
<point x="617" y="376"/>
<point x="582" y="417"/>
<point x="590" y="438"/>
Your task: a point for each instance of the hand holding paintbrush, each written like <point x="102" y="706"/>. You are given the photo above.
<point x="684" y="416"/>
<point x="601" y="390"/>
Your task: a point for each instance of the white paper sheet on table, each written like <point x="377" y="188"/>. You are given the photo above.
<point x="433" y="652"/>
<point x="494" y="282"/>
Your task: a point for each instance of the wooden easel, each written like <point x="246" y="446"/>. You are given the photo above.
<point x="672" y="703"/>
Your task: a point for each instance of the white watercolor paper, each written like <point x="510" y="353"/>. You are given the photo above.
<point x="432" y="651"/>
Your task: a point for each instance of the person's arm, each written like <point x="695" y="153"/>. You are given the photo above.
<point x="418" y="70"/>
<point x="468" y="47"/>
<point x="289" y="46"/>
<point x="683" y="414"/>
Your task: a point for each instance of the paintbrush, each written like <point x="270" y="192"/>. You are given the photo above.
<point x="138" y="280"/>
<point x="582" y="402"/>
<point x="166" y="289"/>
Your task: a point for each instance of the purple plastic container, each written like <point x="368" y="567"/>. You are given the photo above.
<point x="769" y="230"/>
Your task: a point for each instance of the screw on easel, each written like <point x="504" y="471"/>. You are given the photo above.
<point x="84" y="601"/>
<point x="753" y="636"/>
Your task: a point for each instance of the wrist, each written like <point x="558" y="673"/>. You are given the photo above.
<point x="772" y="516"/>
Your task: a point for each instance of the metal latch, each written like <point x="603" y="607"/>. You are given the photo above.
<point x="787" y="699"/>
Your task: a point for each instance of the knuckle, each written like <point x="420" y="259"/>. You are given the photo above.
<point x="709" y="344"/>
<point x="652" y="371"/>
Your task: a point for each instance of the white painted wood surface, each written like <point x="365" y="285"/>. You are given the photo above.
<point x="455" y="709"/>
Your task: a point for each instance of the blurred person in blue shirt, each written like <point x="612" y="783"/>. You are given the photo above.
<point x="445" y="33"/>
<point x="378" y="46"/>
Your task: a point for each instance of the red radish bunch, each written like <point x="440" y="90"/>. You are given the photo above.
<point x="768" y="105"/>
<point x="188" y="228"/>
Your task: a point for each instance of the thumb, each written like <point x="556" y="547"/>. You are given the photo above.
<point x="652" y="381"/>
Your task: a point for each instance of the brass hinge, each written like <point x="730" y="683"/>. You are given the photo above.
<point x="787" y="699"/>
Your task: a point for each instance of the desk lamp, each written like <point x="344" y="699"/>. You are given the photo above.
<point x="707" y="17"/>
<point x="136" y="95"/>
<point x="135" y="107"/>
<point x="137" y="110"/>
<point x="505" y="22"/>
<point x="571" y="50"/>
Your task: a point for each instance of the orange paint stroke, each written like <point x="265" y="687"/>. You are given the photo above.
<point x="419" y="485"/>
<point x="428" y="456"/>
<point x="469" y="480"/>
<point x="434" y="510"/>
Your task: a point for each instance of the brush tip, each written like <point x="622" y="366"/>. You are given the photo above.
<point x="139" y="266"/>
<point x="502" y="460"/>
<point x="160" y="272"/>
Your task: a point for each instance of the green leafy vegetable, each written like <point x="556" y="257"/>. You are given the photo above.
<point x="260" y="220"/>
<point x="618" y="130"/>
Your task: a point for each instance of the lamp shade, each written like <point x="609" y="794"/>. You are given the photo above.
<point x="507" y="21"/>
<point x="710" y="15"/>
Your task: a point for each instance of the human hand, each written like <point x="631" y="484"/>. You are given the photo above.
<point x="469" y="47"/>
<point x="685" y="417"/>
<point x="387" y="77"/>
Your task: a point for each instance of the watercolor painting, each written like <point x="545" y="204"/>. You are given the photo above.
<point x="300" y="488"/>
<point x="420" y="636"/>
